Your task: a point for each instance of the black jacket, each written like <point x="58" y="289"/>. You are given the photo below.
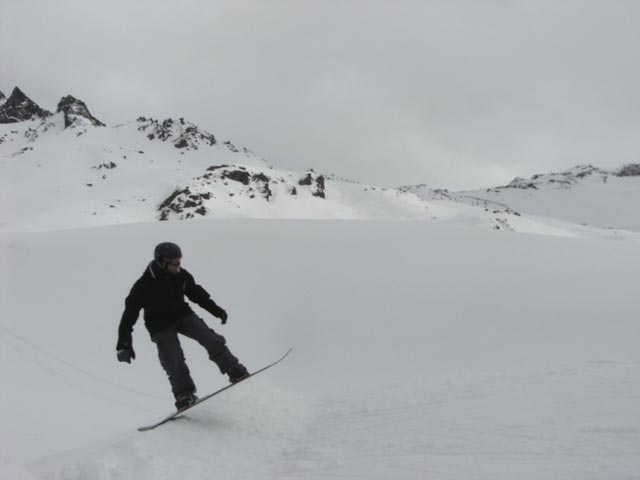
<point x="161" y="294"/>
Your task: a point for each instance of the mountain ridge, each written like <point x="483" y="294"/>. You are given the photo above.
<point x="148" y="170"/>
<point x="86" y="173"/>
<point x="585" y="195"/>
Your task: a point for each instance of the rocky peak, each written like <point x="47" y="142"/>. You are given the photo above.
<point x="19" y="108"/>
<point x="2" y="97"/>
<point x="183" y="135"/>
<point x="76" y="113"/>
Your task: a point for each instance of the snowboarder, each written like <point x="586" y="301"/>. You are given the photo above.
<point x="160" y="292"/>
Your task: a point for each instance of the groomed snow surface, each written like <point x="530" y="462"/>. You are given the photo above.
<point x="422" y="350"/>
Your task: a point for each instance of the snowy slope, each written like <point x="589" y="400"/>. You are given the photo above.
<point x="62" y="178"/>
<point x="421" y="350"/>
<point x="95" y="179"/>
<point x="56" y="177"/>
<point x="68" y="170"/>
<point x="583" y="195"/>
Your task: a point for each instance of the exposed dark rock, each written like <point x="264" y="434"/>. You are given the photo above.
<point x="185" y="203"/>
<point x="631" y="170"/>
<point x="237" y="175"/>
<point x="260" y="177"/>
<point x="183" y="135"/>
<point x="108" y="166"/>
<point x="19" y="108"/>
<point x="263" y="181"/>
<point x="172" y="197"/>
<point x="319" y="190"/>
<point x="22" y="151"/>
<point x="521" y="183"/>
<point x="2" y="97"/>
<point x="586" y="171"/>
<point x="231" y="147"/>
<point x="306" y="181"/>
<point x="74" y="110"/>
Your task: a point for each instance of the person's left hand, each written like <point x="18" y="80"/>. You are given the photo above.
<point x="223" y="316"/>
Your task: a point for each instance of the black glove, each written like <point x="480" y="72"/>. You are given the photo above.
<point x="216" y="310"/>
<point x="126" y="354"/>
<point x="222" y="315"/>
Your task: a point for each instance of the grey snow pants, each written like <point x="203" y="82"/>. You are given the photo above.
<point x="172" y="357"/>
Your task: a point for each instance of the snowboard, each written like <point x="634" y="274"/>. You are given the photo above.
<point x="176" y="414"/>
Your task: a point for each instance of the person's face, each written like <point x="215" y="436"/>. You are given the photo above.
<point x="174" y="265"/>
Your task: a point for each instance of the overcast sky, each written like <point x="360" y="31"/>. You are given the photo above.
<point x="454" y="94"/>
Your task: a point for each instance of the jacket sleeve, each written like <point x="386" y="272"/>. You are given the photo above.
<point x="132" y="307"/>
<point x="200" y="296"/>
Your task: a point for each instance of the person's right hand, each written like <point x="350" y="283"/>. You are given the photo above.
<point x="126" y="354"/>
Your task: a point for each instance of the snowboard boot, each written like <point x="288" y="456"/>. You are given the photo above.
<point x="185" y="400"/>
<point x="237" y="373"/>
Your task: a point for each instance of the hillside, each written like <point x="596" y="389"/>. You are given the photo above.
<point x="85" y="173"/>
<point x="68" y="169"/>
<point x="584" y="195"/>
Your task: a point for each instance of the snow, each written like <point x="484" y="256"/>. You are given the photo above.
<point x="591" y="197"/>
<point x="449" y="335"/>
<point x="98" y="176"/>
<point x="421" y="350"/>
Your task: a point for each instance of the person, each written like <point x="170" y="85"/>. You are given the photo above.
<point x="160" y="291"/>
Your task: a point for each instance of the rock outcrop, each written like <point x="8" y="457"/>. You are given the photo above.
<point x="183" y="135"/>
<point x="631" y="170"/>
<point x="76" y="113"/>
<point x="237" y="184"/>
<point x="19" y="108"/>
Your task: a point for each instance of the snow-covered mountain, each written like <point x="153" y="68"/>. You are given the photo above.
<point x="67" y="169"/>
<point x="87" y="174"/>
<point x="584" y="195"/>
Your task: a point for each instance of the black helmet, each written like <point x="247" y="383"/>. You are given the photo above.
<point x="165" y="252"/>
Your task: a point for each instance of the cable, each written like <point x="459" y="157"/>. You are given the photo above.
<point x="68" y="381"/>
<point x="84" y="372"/>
